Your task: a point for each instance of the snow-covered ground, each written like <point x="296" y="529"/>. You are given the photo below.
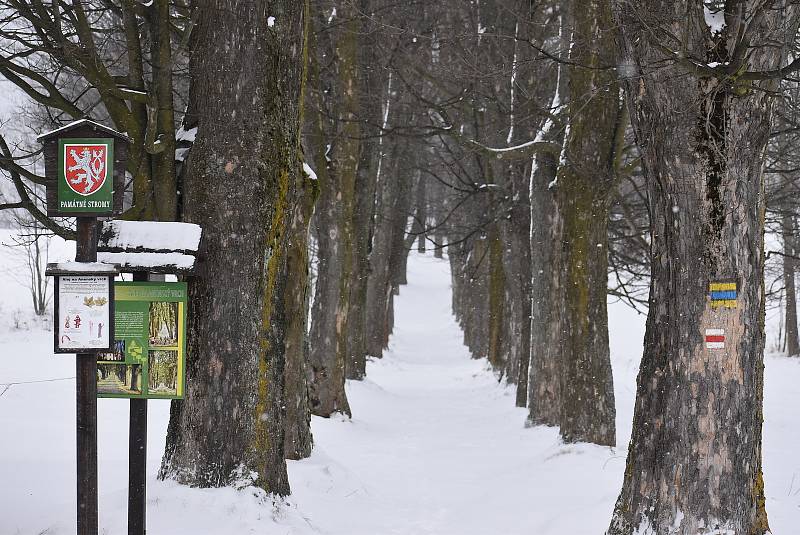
<point x="435" y="446"/>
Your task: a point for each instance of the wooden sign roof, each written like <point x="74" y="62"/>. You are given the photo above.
<point x="149" y="246"/>
<point x="82" y="124"/>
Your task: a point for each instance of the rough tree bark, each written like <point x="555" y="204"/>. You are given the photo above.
<point x="789" y="262"/>
<point x="694" y="462"/>
<point x="298" y="439"/>
<point x="162" y="124"/>
<point x="245" y="95"/>
<point x="378" y="285"/>
<point x="401" y="241"/>
<point x="496" y="306"/>
<point x="345" y="157"/>
<point x="365" y="186"/>
<point x="518" y="289"/>
<point x="526" y="96"/>
<point x="544" y="389"/>
<point x="356" y="362"/>
<point x="337" y="149"/>
<point x="327" y="372"/>
<point x="421" y="214"/>
<point x="584" y="189"/>
<point x="389" y="247"/>
<point x="475" y="288"/>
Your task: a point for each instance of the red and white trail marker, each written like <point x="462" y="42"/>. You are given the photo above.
<point x="715" y="338"/>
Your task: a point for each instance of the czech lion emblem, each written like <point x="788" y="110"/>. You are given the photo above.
<point x="85" y="167"/>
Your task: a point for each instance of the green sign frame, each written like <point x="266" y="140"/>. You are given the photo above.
<point x="149" y="356"/>
<point x="99" y="201"/>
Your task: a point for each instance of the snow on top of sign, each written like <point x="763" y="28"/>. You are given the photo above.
<point x="80" y="122"/>
<point x="148" y="260"/>
<point x="84" y="267"/>
<point x="153" y="235"/>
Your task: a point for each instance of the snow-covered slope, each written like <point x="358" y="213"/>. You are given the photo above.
<point x="435" y="446"/>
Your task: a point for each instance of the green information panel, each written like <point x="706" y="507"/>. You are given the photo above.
<point x="149" y="357"/>
<point x="86" y="175"/>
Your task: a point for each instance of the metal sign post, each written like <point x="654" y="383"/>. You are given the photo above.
<point x="137" y="458"/>
<point x="86" y="402"/>
<point x="137" y="468"/>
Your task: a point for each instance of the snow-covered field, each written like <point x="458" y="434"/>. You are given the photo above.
<point x="435" y="446"/>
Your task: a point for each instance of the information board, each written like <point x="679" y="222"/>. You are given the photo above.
<point x="148" y="359"/>
<point x="83" y="313"/>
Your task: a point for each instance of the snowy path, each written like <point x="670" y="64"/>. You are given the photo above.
<point x="435" y="446"/>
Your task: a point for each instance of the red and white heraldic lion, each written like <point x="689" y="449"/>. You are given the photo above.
<point x="85" y="166"/>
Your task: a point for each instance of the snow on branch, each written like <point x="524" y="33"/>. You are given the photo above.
<point x="516" y="152"/>
<point x="309" y="172"/>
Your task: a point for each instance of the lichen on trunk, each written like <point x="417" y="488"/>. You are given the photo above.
<point x="229" y="429"/>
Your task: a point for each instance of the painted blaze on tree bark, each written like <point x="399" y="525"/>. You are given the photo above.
<point x="694" y="463"/>
<point x="246" y="84"/>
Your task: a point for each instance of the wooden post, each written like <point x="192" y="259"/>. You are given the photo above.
<point x="86" y="402"/>
<point x="137" y="459"/>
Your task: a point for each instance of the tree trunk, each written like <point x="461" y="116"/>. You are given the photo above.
<point x="544" y="389"/>
<point x="421" y="214"/>
<point x="789" y="261"/>
<point x="165" y="187"/>
<point x="401" y="241"/>
<point x="525" y="89"/>
<point x="327" y="373"/>
<point x="298" y="439"/>
<point x="246" y="87"/>
<point x="694" y="462"/>
<point x="338" y="150"/>
<point x="518" y="264"/>
<point x="583" y="192"/>
<point x="378" y="285"/>
<point x="475" y="297"/>
<point x="388" y="251"/>
<point x="356" y="363"/>
<point x="496" y="318"/>
<point x="365" y="187"/>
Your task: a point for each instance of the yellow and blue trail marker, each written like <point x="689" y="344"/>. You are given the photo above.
<point x="723" y="294"/>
